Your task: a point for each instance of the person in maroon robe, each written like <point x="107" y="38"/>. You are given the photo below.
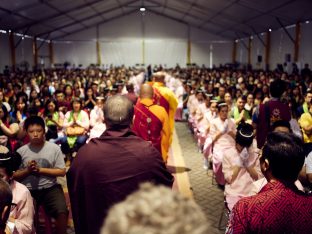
<point x="110" y="167"/>
<point x="131" y="95"/>
<point x="270" y="112"/>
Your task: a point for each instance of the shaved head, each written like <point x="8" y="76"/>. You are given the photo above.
<point x="118" y="111"/>
<point x="146" y="91"/>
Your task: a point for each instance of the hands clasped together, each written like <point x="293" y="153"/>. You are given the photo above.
<point x="33" y="167"/>
<point x="242" y="160"/>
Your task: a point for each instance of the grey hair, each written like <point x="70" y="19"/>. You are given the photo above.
<point x="118" y="111"/>
<point x="155" y="210"/>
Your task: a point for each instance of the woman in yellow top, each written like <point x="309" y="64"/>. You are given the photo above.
<point x="78" y="121"/>
<point x="305" y="123"/>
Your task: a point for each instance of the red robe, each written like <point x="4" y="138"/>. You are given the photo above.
<point x="147" y="126"/>
<point x="277" y="111"/>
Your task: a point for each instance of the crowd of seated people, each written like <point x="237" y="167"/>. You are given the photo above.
<point x="196" y="89"/>
<point x="214" y="101"/>
<point x="70" y="101"/>
<point x="250" y="104"/>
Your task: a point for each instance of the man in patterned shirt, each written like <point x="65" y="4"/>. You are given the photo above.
<point x="279" y="207"/>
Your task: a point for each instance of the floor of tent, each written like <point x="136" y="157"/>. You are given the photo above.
<point x="186" y="164"/>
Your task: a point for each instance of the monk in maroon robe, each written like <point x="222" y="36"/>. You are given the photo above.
<point x="270" y="112"/>
<point x="110" y="167"/>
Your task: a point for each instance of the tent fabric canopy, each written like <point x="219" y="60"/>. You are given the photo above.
<point x="230" y="19"/>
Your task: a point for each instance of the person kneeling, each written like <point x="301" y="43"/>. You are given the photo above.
<point x="240" y="166"/>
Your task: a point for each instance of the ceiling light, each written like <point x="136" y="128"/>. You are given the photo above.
<point x="142" y="9"/>
<point x="307" y="22"/>
<point x="270" y="30"/>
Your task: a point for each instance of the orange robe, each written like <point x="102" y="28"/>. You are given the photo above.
<point x="170" y="97"/>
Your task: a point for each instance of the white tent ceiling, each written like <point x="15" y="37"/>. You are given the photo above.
<point x="231" y="19"/>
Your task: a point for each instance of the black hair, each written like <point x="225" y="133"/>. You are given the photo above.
<point x="250" y="93"/>
<point x="34" y="120"/>
<point x="76" y="99"/>
<point x="25" y="110"/>
<point x="199" y="91"/>
<point x="244" y="135"/>
<point x="130" y="87"/>
<point x="58" y="91"/>
<point x="222" y="86"/>
<point x="257" y="90"/>
<point x="32" y="110"/>
<point x="285" y="154"/>
<point x="277" y="88"/>
<point x="5" y="200"/>
<point x="281" y="123"/>
<point x="31" y="99"/>
<point x="11" y="161"/>
<point x="17" y="86"/>
<point x="86" y="96"/>
<point x="221" y="104"/>
<point x="33" y="103"/>
<point x="244" y="98"/>
<point x="24" y="100"/>
<point x="46" y="111"/>
<point x="5" y="112"/>
<point x="67" y="85"/>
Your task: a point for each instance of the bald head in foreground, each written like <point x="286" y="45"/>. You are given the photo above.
<point x="110" y="167"/>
